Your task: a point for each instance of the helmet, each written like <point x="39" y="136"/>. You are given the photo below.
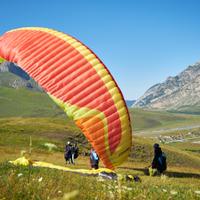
<point x="156" y="145"/>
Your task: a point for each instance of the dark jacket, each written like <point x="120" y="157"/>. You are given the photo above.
<point x="155" y="163"/>
<point x="68" y="151"/>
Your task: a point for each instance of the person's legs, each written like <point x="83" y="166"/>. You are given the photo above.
<point x="93" y="165"/>
<point x="96" y="165"/>
<point x="66" y="158"/>
<point x="69" y="158"/>
<point x="72" y="159"/>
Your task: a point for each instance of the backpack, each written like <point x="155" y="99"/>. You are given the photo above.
<point x="162" y="162"/>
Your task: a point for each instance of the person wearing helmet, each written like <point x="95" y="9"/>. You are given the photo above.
<point x="68" y="152"/>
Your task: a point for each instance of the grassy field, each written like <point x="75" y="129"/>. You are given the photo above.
<point x="182" y="180"/>
<point x="38" y="183"/>
<point x="25" y="114"/>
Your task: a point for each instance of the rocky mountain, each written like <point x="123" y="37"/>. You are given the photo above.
<point x="14" y="77"/>
<point x="179" y="93"/>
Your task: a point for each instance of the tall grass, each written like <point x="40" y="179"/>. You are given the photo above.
<point x="19" y="183"/>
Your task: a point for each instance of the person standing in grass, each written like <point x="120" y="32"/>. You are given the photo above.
<point x="159" y="164"/>
<point x="94" y="159"/>
<point x="68" y="152"/>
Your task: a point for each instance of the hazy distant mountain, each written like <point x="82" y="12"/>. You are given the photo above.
<point x="179" y="93"/>
<point x="14" y="77"/>
<point x="129" y="103"/>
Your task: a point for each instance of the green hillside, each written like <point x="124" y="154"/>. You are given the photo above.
<point x="26" y="103"/>
<point x="194" y="109"/>
<point x="160" y="120"/>
<point x="7" y="77"/>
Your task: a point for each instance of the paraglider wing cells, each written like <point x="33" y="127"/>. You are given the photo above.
<point x="76" y="79"/>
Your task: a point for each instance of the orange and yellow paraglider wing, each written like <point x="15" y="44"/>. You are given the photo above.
<point x="79" y="82"/>
<point x="2" y="60"/>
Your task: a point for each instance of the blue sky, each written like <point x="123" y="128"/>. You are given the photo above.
<point x="141" y="42"/>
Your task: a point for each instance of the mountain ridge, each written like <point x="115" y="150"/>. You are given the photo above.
<point x="178" y="93"/>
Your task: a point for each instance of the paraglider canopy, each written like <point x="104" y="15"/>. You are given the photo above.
<point x="76" y="79"/>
